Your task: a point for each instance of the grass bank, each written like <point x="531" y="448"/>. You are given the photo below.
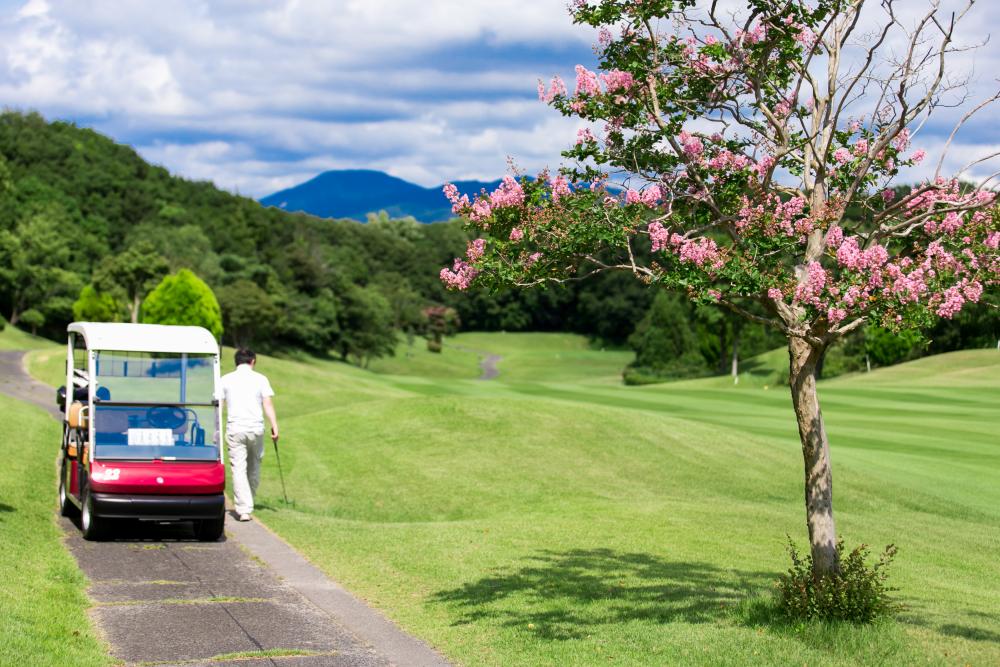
<point x="42" y="600"/>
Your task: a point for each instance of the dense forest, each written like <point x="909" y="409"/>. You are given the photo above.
<point x="88" y="229"/>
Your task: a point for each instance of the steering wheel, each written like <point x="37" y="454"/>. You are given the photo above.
<point x="166" y="416"/>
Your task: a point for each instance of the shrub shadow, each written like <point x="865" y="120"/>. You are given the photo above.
<point x="566" y="594"/>
<point x="968" y="632"/>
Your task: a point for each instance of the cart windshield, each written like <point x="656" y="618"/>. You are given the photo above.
<point x="155" y="406"/>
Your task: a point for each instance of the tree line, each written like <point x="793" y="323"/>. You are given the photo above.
<point x="89" y="230"/>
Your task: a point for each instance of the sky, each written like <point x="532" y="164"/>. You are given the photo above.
<point x="258" y="95"/>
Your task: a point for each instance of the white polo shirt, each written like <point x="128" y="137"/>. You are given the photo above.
<point x="243" y="390"/>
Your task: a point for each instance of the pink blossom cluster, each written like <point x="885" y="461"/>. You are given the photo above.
<point x="460" y="276"/>
<point x="475" y="249"/>
<point x="804" y="34"/>
<point x="834" y="236"/>
<point x="691" y="144"/>
<point x="948" y="303"/>
<point x="726" y="160"/>
<point x="586" y="82"/>
<point x="616" y="80"/>
<point x="902" y="140"/>
<point x="701" y="251"/>
<point x="764" y="165"/>
<point x="784" y="107"/>
<point x="584" y="135"/>
<point x="756" y="34"/>
<point x="648" y="197"/>
<point x="810" y="290"/>
<point x="557" y="88"/>
<point x="516" y="234"/>
<point x="659" y="236"/>
<point x="851" y="256"/>
<point x="772" y="216"/>
<point x="458" y="204"/>
<point x="559" y="187"/>
<point x="509" y="194"/>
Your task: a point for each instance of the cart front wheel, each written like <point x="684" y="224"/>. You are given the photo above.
<point x="209" y="530"/>
<point x="94" y="528"/>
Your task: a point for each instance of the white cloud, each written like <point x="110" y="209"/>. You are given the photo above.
<point x="258" y="95"/>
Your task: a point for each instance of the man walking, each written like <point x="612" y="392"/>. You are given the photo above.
<point x="247" y="394"/>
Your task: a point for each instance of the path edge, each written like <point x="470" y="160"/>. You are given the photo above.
<point x="367" y="623"/>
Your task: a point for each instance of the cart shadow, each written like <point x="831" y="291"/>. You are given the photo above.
<point x="125" y="530"/>
<point x="4" y="507"/>
<point x="566" y="594"/>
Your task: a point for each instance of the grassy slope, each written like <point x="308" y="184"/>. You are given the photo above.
<point x="42" y="600"/>
<point x="12" y="338"/>
<point x="554" y="523"/>
<point x="516" y="522"/>
<point x="529" y="357"/>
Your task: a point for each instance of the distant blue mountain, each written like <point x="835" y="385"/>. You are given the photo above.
<point x="354" y="193"/>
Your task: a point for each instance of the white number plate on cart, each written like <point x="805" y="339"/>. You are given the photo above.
<point x="150" y="436"/>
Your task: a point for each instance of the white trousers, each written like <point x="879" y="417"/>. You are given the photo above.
<point x="245" y="453"/>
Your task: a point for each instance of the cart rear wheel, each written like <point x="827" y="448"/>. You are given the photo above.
<point x="209" y="530"/>
<point x="94" y="528"/>
<point x="66" y="506"/>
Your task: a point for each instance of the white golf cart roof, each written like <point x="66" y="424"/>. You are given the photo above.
<point x="145" y="337"/>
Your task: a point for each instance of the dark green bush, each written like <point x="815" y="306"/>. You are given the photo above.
<point x="859" y="593"/>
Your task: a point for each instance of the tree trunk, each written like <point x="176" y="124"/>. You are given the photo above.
<point x="134" y="310"/>
<point x="736" y="356"/>
<point x="804" y="360"/>
<point x="14" y="316"/>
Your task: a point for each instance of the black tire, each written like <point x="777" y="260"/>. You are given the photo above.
<point x="66" y="506"/>
<point x="94" y="528"/>
<point x="209" y="530"/>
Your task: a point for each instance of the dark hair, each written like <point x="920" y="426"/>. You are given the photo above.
<point x="244" y="356"/>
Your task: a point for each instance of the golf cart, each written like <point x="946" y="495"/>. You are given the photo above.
<point x="141" y="437"/>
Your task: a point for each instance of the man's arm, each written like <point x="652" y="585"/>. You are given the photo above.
<point x="268" y="406"/>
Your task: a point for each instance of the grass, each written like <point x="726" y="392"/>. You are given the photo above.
<point x="554" y="517"/>
<point x="12" y="338"/>
<point x="574" y="521"/>
<point x="42" y="600"/>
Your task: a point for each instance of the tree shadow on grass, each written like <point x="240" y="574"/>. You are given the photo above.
<point x="566" y="594"/>
<point x="4" y="507"/>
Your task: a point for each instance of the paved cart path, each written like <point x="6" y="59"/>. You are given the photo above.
<point x="163" y="597"/>
<point x="487" y="361"/>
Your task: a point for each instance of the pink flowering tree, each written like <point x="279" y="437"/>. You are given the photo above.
<point x="743" y="140"/>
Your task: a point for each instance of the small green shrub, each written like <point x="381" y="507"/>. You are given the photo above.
<point x="434" y="345"/>
<point x="859" y="593"/>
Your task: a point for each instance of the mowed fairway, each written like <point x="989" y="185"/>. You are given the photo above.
<point x="553" y="517"/>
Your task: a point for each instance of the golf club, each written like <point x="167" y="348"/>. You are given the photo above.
<point x="280" y="473"/>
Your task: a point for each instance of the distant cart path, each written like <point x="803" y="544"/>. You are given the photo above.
<point x="487" y="361"/>
<point x="162" y="597"/>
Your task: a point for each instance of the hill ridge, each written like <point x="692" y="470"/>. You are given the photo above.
<point x="354" y="193"/>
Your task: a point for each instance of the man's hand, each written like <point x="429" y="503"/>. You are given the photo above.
<point x="268" y="406"/>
